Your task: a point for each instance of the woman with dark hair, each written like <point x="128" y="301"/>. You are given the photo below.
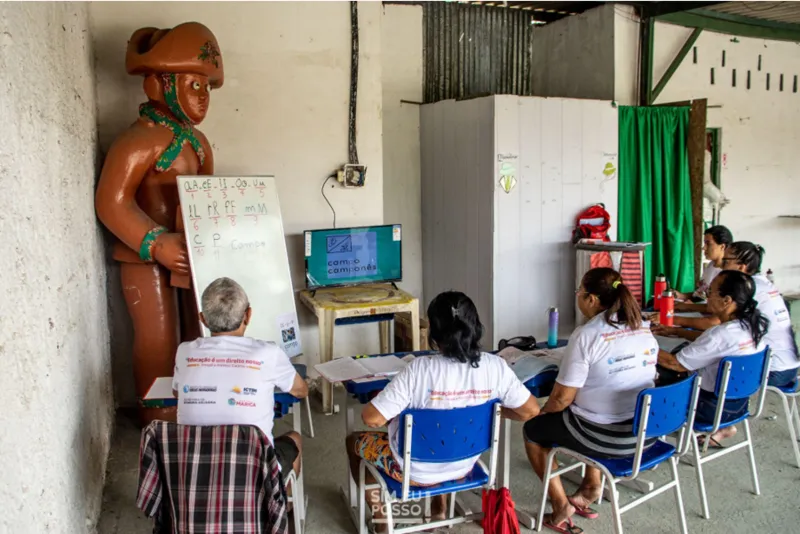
<point x="746" y="257"/>
<point x="607" y="362"/>
<point x="459" y="375"/>
<point x="715" y="241"/>
<point x="741" y="331"/>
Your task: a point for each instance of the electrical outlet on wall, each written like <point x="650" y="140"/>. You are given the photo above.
<point x="352" y="175"/>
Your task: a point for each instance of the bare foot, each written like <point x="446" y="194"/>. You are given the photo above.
<point x="584" y="497"/>
<point x="718" y="437"/>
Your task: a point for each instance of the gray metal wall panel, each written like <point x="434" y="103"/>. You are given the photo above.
<point x="457" y="144"/>
<point x="474" y="50"/>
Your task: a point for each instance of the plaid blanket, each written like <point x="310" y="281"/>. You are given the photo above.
<point x="210" y="479"/>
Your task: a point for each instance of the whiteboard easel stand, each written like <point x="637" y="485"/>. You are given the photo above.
<point x="368" y="303"/>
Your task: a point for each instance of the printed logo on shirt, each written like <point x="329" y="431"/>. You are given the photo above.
<point x="645" y="363"/>
<point x="782" y="315"/>
<point x="246" y="404"/>
<point x="198" y="401"/>
<point x="244" y="391"/>
<point x="650" y="352"/>
<point x="199" y="389"/>
<point x="236" y="363"/>
<point x="480" y="394"/>
<point x="619" y="359"/>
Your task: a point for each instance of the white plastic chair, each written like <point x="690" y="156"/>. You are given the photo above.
<point x="298" y="500"/>
<point x="739" y="377"/>
<point x="660" y="411"/>
<point x="434" y="436"/>
<point x="788" y="396"/>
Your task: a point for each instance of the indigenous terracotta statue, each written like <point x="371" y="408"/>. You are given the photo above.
<point x="137" y="197"/>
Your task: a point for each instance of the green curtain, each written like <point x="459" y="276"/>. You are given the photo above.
<point x="655" y="202"/>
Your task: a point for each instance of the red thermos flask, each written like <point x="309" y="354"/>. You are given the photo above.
<point x="661" y="286"/>
<point x="667" y="310"/>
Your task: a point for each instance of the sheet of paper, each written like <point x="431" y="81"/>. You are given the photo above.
<point x="161" y="389"/>
<point x="384" y="365"/>
<point x="368" y="379"/>
<point x="511" y="355"/>
<point x="553" y="356"/>
<point x="669" y="344"/>
<point x="341" y="370"/>
<point x="290" y="331"/>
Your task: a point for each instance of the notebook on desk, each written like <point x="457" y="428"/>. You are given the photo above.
<point x="528" y="364"/>
<point x="344" y="369"/>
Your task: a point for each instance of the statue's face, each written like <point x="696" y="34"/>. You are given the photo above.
<point x="194" y="93"/>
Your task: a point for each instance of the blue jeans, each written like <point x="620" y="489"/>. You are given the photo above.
<point x="780" y="379"/>
<point x="707" y="407"/>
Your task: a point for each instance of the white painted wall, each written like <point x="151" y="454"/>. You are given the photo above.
<point x="760" y="134"/>
<point x="401" y="51"/>
<point x="512" y="252"/>
<point x="55" y="386"/>
<point x="283" y="110"/>
<point x="563" y="145"/>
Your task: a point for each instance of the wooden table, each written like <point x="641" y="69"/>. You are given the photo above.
<point x="354" y="305"/>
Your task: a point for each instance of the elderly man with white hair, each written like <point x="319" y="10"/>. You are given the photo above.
<point x="229" y="379"/>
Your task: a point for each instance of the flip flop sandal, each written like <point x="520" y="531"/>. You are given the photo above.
<point x="713" y="444"/>
<point x="587" y="512"/>
<point x="565" y="527"/>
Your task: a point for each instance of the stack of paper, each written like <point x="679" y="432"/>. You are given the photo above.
<point x="343" y="369"/>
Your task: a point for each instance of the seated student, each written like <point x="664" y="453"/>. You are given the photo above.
<point x="746" y="257"/>
<point x="715" y="241"/>
<point x="608" y="361"/>
<point x="741" y="332"/>
<point x="229" y="379"/>
<point x="459" y="376"/>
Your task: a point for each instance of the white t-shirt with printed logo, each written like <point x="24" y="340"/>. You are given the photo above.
<point x="779" y="336"/>
<point x="610" y="365"/>
<point x="230" y="380"/>
<point x="709" y="273"/>
<point x="439" y="382"/>
<point x="704" y="354"/>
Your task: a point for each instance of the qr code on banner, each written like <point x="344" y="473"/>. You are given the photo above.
<point x="288" y="334"/>
<point x="339" y="243"/>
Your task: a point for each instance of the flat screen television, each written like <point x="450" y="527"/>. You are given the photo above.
<point x="350" y="256"/>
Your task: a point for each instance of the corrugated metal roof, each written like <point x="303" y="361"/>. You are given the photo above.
<point x="788" y="12"/>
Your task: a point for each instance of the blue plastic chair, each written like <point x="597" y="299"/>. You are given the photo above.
<point x="788" y="396"/>
<point x="739" y="377"/>
<point x="660" y="411"/>
<point x="436" y="436"/>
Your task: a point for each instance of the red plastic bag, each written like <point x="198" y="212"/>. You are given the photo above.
<point x="499" y="516"/>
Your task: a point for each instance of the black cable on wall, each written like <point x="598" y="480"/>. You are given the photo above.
<point x="353" y="151"/>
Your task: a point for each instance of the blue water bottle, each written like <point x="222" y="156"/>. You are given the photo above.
<point x="552" y="328"/>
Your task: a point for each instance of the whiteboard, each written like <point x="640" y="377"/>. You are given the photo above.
<point x="234" y="229"/>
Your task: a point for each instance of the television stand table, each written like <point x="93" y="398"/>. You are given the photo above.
<point x="368" y="303"/>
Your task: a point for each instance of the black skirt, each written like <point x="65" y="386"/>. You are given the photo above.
<point x="565" y="429"/>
